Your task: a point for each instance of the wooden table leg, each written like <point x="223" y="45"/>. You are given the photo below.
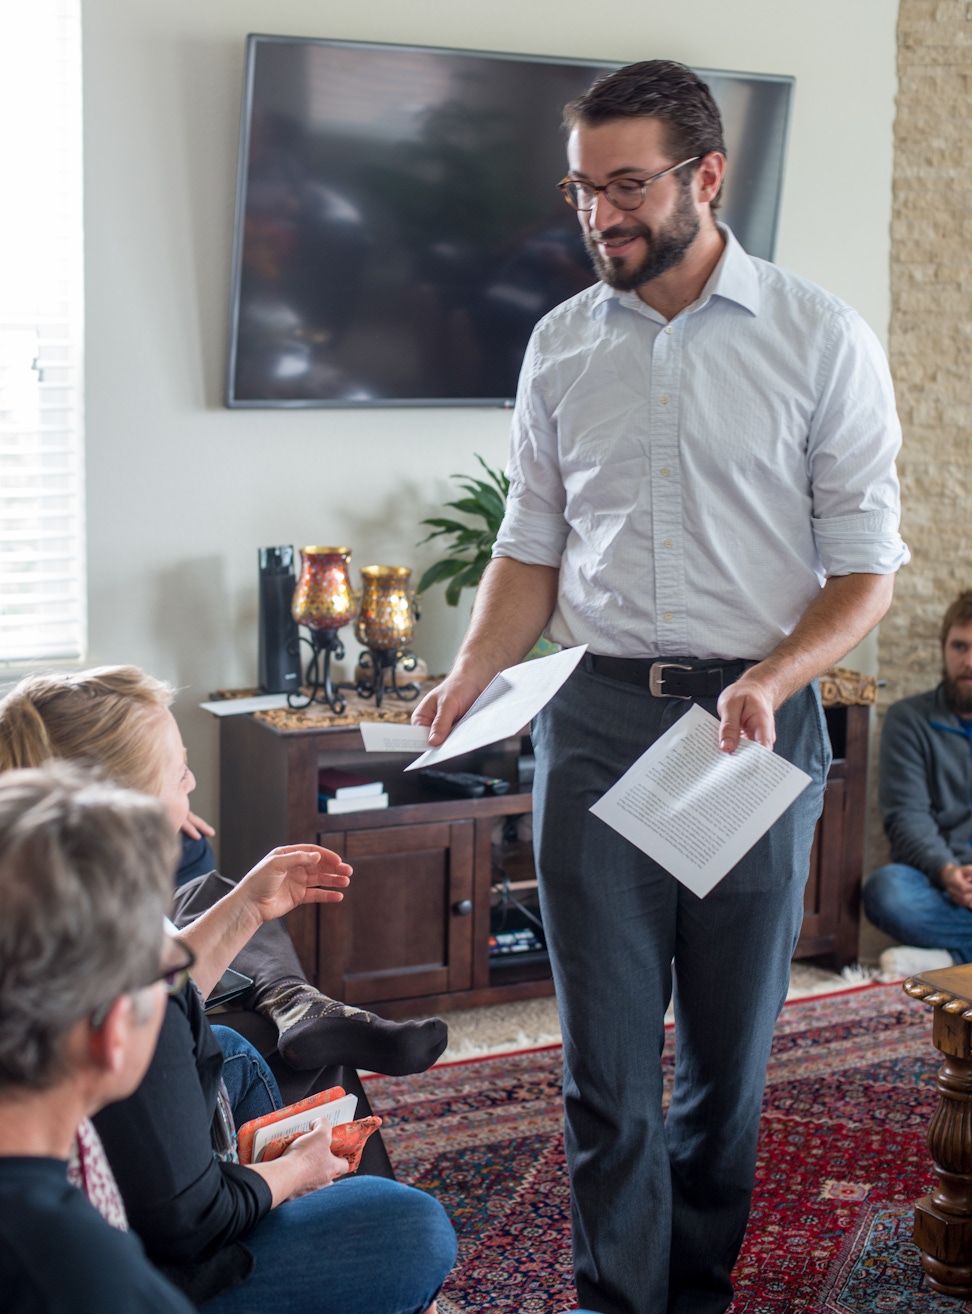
<point x="943" y="1219"/>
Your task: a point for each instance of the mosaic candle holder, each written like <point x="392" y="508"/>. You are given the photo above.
<point x="323" y="602"/>
<point x="386" y="626"/>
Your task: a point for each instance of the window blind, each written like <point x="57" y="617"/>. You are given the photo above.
<point x="42" y="577"/>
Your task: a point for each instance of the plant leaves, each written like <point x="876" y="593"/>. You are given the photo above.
<point x="492" y="516"/>
<point x="483" y="501"/>
<point x="498" y="477"/>
<point x="446" y="524"/>
<point x="448" y="527"/>
<point x="443" y="569"/>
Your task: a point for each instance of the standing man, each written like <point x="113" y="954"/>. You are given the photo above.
<point x="923" y="897"/>
<point x="702" y="490"/>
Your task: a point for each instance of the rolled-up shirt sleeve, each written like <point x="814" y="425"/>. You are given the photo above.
<point x="853" y="440"/>
<point x="534" y="530"/>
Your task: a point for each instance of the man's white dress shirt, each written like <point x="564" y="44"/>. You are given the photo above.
<point x="697" y="481"/>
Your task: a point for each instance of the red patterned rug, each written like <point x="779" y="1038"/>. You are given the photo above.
<point x="841" y="1159"/>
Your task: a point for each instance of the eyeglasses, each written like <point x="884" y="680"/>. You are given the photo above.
<point x="622" y="193"/>
<point x="174" y="979"/>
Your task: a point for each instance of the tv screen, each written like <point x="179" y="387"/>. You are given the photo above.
<point x="398" y="226"/>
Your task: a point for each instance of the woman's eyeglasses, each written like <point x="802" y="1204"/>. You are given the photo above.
<point x="173" y="976"/>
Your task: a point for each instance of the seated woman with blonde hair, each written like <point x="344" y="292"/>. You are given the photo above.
<point x="118" y="717"/>
<point x="365" y="1246"/>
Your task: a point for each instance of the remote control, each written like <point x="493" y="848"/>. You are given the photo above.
<point x="463" y="784"/>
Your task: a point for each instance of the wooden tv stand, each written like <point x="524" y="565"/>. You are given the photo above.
<point x="412" y="937"/>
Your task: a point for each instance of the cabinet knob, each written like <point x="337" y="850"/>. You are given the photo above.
<point x="463" y="908"/>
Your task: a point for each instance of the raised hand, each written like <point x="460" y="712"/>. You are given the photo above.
<point x="293" y="875"/>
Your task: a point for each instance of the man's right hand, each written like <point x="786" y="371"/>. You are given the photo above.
<point x="446" y="703"/>
<point x="957" y="883"/>
<point x="514" y="601"/>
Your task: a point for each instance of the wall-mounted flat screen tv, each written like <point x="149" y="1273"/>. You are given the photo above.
<point x="398" y="226"/>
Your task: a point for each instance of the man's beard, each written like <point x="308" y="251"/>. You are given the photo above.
<point x="665" y="246"/>
<point x="958" y="697"/>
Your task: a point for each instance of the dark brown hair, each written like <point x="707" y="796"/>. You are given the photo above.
<point x="656" y="89"/>
<point x="959" y="613"/>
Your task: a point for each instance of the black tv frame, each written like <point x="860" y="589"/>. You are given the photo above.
<point x="303" y="403"/>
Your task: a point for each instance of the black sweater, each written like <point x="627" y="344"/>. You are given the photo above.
<point x="59" y="1256"/>
<point x="184" y="1204"/>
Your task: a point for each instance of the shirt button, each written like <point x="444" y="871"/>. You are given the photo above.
<point x="667" y="616"/>
<point x="669" y="330"/>
<point x="664" y="399"/>
<point x="664" y="472"/>
<point x="667" y="543"/>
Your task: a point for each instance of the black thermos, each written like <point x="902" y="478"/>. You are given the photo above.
<point x="279" y="661"/>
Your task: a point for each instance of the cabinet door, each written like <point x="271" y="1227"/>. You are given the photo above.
<point x="404" y="928"/>
<point x="821" y="901"/>
<point x="832" y="900"/>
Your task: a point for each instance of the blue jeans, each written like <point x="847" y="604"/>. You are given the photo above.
<point x="902" y="902"/>
<point x="362" y="1246"/>
<point x="251" y="1086"/>
<point x="659" y="1209"/>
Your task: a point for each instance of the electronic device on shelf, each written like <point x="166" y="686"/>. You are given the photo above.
<point x="516" y="936"/>
<point x="407" y="196"/>
<point x="463" y="784"/>
<point x="279" y="657"/>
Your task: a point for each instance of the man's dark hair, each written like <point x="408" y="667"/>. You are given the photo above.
<point x="656" y="89"/>
<point x="959" y="613"/>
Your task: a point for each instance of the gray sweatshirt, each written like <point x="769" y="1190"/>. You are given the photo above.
<point x="926" y="784"/>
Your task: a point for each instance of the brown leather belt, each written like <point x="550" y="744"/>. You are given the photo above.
<point x="671" y="679"/>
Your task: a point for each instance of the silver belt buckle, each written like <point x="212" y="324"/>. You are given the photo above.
<point x="656" y="678"/>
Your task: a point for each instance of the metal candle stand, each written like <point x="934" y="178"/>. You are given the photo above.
<point x="380" y="660"/>
<point x="318" y="681"/>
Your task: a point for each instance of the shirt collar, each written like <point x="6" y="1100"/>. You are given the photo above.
<point x="734" y="279"/>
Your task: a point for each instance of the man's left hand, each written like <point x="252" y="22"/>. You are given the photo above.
<point x="292" y="875"/>
<point x="846" y="608"/>
<point x="746" y="709"/>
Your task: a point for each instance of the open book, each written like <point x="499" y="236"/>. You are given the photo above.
<point x="266" y="1138"/>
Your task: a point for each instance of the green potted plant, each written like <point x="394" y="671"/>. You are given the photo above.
<point x="472" y="544"/>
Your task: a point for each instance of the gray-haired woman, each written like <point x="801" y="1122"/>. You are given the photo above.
<point x="85" y="872"/>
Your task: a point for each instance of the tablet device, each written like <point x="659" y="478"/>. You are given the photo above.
<point x="230" y="986"/>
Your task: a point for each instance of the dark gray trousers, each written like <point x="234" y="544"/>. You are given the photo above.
<point x="659" y="1208"/>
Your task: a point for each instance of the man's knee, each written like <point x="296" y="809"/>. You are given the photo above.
<point x="892" y="890"/>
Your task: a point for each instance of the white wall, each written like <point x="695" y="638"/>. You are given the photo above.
<point x="180" y="491"/>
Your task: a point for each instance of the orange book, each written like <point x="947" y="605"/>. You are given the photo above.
<point x="264" y="1139"/>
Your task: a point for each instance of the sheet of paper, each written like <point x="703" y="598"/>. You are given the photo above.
<point x="694" y="809"/>
<point x="509" y="702"/>
<point x="238" y="706"/>
<point x="393" y="737"/>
